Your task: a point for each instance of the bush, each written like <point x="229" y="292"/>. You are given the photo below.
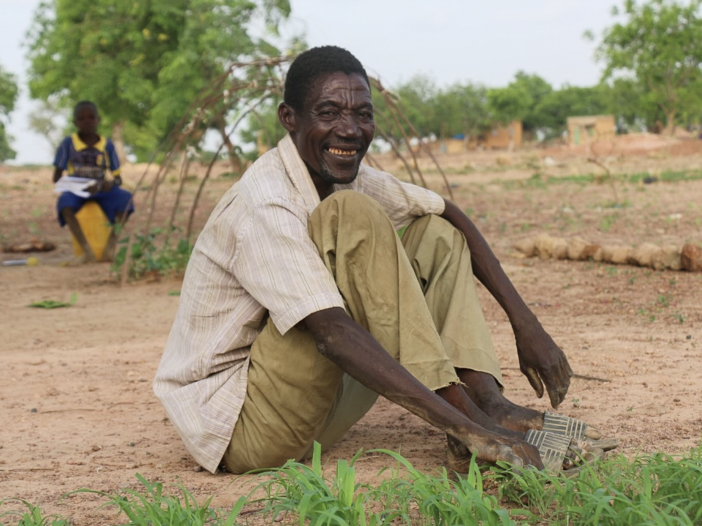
<point x="151" y="256"/>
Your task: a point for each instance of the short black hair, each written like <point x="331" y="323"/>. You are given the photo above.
<point x="84" y="104"/>
<point x="313" y="63"/>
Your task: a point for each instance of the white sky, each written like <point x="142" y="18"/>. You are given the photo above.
<point x="485" y="41"/>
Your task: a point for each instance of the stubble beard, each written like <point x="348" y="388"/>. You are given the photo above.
<point x="328" y="177"/>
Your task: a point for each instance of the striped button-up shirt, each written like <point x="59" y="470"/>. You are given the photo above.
<point x="255" y="257"/>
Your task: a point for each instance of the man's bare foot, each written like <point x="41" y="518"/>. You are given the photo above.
<point x="483" y="389"/>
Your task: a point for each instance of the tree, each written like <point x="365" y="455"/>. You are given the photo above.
<point x="659" y="45"/>
<point x="48" y="120"/>
<point x="512" y="103"/>
<point x="463" y="109"/>
<point x="8" y="97"/>
<point x="538" y="90"/>
<point x="262" y="128"/>
<point x="142" y="63"/>
<point x="569" y="101"/>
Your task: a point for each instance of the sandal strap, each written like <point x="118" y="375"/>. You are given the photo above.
<point x="564" y="425"/>
<point x="552" y="448"/>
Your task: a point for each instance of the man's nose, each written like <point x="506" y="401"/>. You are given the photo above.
<point x="348" y="126"/>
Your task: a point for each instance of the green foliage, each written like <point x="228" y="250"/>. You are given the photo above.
<point x="650" y="490"/>
<point x="569" y="101"/>
<point x="152" y="508"/>
<point x="658" y="44"/>
<point x="45" y="119"/>
<point x="510" y="103"/>
<point x="53" y="304"/>
<point x="151" y="255"/>
<point x="8" y="97"/>
<point x="263" y="121"/>
<point x="142" y="63"/>
<point x="538" y="90"/>
<point x="31" y="515"/>
<point x="463" y="109"/>
<point x="302" y="491"/>
<point x="457" y="109"/>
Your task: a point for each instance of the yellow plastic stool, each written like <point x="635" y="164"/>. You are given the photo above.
<point x="95" y="226"/>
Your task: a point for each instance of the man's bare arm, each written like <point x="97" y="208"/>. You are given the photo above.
<point x="58" y="172"/>
<point x="540" y="359"/>
<point x="355" y="351"/>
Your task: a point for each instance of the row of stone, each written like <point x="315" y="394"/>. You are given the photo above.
<point x="671" y="257"/>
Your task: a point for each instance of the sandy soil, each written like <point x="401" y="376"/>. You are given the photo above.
<point x="75" y="393"/>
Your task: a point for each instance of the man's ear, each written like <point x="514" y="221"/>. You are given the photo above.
<point x="286" y="116"/>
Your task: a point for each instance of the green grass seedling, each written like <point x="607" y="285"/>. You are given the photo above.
<point x="53" y="304"/>
<point x="152" y="508"/>
<point x="31" y="516"/>
<point x="650" y="490"/>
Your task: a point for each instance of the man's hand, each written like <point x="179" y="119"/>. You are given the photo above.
<point x="540" y="359"/>
<point x="356" y="352"/>
<point x="494" y="448"/>
<point x="543" y="362"/>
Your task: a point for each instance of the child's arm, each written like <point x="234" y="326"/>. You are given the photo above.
<point x="58" y="172"/>
<point x="113" y="163"/>
<point x="61" y="159"/>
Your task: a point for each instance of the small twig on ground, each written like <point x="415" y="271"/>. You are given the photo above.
<point x="7" y="470"/>
<point x="575" y="375"/>
<point x="70" y="409"/>
<point x="610" y="179"/>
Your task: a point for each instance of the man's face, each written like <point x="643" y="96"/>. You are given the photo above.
<point x="86" y="120"/>
<point x="335" y="128"/>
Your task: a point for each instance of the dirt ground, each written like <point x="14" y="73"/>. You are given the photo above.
<point x="75" y="393"/>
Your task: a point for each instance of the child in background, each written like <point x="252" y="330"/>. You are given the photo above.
<point x="87" y="154"/>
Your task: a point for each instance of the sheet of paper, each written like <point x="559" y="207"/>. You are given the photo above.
<point x="75" y="185"/>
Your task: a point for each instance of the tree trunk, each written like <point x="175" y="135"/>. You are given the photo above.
<point x="670" y="122"/>
<point x="118" y="141"/>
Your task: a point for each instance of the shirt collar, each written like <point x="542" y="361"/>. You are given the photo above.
<point x="79" y="145"/>
<point x="298" y="173"/>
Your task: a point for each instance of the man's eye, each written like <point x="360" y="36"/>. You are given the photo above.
<point x="327" y="113"/>
<point x="366" y="115"/>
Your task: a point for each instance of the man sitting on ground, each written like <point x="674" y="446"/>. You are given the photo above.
<point x="301" y="305"/>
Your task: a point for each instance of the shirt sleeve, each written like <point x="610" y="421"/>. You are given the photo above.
<point x="112" y="159"/>
<point x="402" y="202"/>
<point x="61" y="159"/>
<point x="278" y="264"/>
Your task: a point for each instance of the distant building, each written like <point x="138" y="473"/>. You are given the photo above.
<point x="496" y="138"/>
<point x="586" y="129"/>
<point x="502" y="136"/>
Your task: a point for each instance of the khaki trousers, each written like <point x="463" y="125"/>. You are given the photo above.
<point x="417" y="297"/>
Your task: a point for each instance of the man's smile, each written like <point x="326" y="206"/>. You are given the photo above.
<point x="342" y="153"/>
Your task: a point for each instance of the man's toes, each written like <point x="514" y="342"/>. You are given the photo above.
<point x="592" y="433"/>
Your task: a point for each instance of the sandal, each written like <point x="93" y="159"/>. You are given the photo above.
<point x="551" y="446"/>
<point x="578" y="430"/>
<point x="561" y="453"/>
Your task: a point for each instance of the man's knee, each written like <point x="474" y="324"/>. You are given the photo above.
<point x="351" y="200"/>
<point x="356" y="208"/>
<point x="435" y="231"/>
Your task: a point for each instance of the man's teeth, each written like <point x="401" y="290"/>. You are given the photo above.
<point x="345" y="153"/>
